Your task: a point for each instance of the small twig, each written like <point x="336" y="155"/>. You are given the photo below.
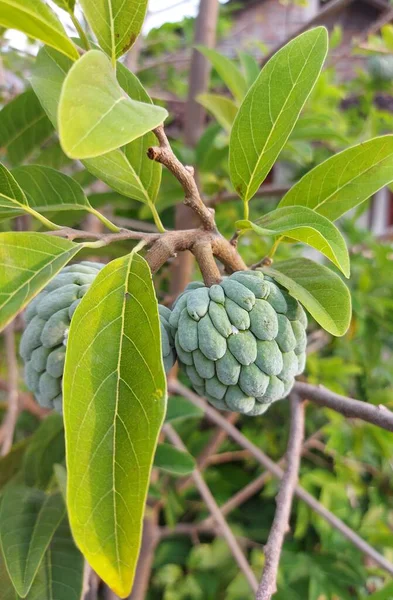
<point x="107" y="238"/>
<point x="217" y="515"/>
<point x="185" y="175"/>
<point x="354" y="409"/>
<point x="176" y="387"/>
<point x="9" y="423"/>
<point x="26" y="402"/>
<point x="280" y="526"/>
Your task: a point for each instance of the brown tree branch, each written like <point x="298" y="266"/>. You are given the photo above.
<point x="215" y="511"/>
<point x="280" y="526"/>
<point x="150" y="539"/>
<point x="354" y="409"/>
<point x="9" y="423"/>
<point x="176" y="387"/>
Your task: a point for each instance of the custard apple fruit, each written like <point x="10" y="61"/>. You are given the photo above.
<point x="48" y="318"/>
<point x="380" y="67"/>
<point x="241" y="342"/>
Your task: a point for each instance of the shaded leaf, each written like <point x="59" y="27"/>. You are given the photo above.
<point x="47" y="448"/>
<point x="95" y="115"/>
<point x="304" y="225"/>
<point x="174" y="461"/>
<point x="11" y="462"/>
<point x="250" y="67"/>
<point x="61" y="478"/>
<point x="116" y="23"/>
<point x="28" y="520"/>
<point x="28" y="261"/>
<point x="36" y="19"/>
<point x="318" y="289"/>
<point x="346" y="179"/>
<point x="223" y="109"/>
<point x="271" y="109"/>
<point x="24" y="126"/>
<point x="179" y="409"/>
<point x="117" y="363"/>
<point x="67" y="5"/>
<point x="228" y="71"/>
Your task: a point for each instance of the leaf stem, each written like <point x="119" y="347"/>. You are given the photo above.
<point x="156" y="218"/>
<point x="273" y="249"/>
<point x="41" y="218"/>
<point x="111" y="226"/>
<point x="246" y="211"/>
<point x="79" y="28"/>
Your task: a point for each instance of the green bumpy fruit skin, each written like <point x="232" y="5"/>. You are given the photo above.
<point x="242" y="342"/>
<point x="48" y="319"/>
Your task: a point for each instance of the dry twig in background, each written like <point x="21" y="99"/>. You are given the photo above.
<point x="9" y="423"/>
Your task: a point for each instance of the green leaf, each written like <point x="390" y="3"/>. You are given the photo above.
<point x="24" y="126"/>
<point x="47" y="448"/>
<point x="28" y="520"/>
<point x="179" y="409"/>
<point x="304" y="225"/>
<point x="228" y="71"/>
<point x="174" y="461"/>
<point x="318" y="289"/>
<point x="114" y="390"/>
<point x="116" y="23"/>
<point x="95" y="115"/>
<point x="271" y="109"/>
<point x="223" y="109"/>
<point x="386" y="593"/>
<point x="27" y="262"/>
<point x="11" y="462"/>
<point x="35" y="19"/>
<point x="67" y="5"/>
<point x="129" y="172"/>
<point x="250" y="67"/>
<point x="61" y="478"/>
<point x="346" y="179"/>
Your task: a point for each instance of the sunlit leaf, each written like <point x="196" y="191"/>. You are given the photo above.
<point x="318" y="289"/>
<point x="36" y="20"/>
<point x="222" y="108"/>
<point x="116" y="23"/>
<point x="271" y="109"/>
<point x="27" y="262"/>
<point x="114" y="404"/>
<point x="228" y="71"/>
<point x="346" y="179"/>
<point x="304" y="225"/>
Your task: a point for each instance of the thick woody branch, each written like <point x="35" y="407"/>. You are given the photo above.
<point x="176" y="387"/>
<point x="185" y="175"/>
<point x="354" y="409"/>
<point x="284" y="500"/>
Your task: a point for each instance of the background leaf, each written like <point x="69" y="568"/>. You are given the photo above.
<point x="179" y="409"/>
<point x="24" y="126"/>
<point x="118" y="364"/>
<point x="305" y="225"/>
<point x="116" y="23"/>
<point x="346" y="179"/>
<point x="28" y="520"/>
<point x="47" y="447"/>
<point x="36" y="20"/>
<point x="27" y="262"/>
<point x="271" y="109"/>
<point x="228" y="71"/>
<point x="95" y="116"/>
<point x="67" y="5"/>
<point x="318" y="289"/>
<point x="174" y="461"/>
<point x="222" y="108"/>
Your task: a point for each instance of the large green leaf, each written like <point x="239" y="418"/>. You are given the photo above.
<point x="116" y="23"/>
<point x="36" y="20"/>
<point x="27" y="262"/>
<point x="346" y="179"/>
<point x="130" y="172"/>
<point x="24" y="126"/>
<point x="114" y="404"/>
<point x="47" y="448"/>
<point x="228" y="71"/>
<point x="174" y="461"/>
<point x="28" y="520"/>
<point x="95" y="116"/>
<point x="304" y="225"/>
<point x="271" y="109"/>
<point x="222" y="108"/>
<point x="321" y="292"/>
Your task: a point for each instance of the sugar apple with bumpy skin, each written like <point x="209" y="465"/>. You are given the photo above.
<point x="241" y="342"/>
<point x="48" y="319"/>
